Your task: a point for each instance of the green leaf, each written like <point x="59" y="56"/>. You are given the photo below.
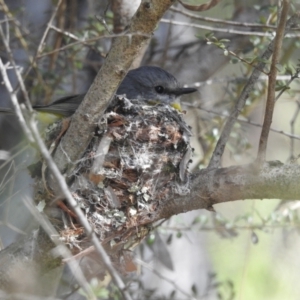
<point x="224" y="41"/>
<point x="289" y="70"/>
<point x="281" y="87"/>
<point x="279" y="67"/>
<point x="234" y="60"/>
<point x="209" y="35"/>
<point x="151" y="239"/>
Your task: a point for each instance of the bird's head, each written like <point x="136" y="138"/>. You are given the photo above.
<point x="153" y="85"/>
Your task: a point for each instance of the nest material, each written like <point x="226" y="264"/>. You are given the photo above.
<point x="137" y="159"/>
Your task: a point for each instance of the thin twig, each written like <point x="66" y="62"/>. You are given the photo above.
<point x="234" y="80"/>
<point x="289" y="135"/>
<point x="81" y="217"/>
<point x="29" y="132"/>
<point x="79" y="41"/>
<point x="219" y="21"/>
<point x="16" y="68"/>
<point x="216" y="29"/>
<point x="103" y="20"/>
<point x="227" y="30"/>
<point x="61" y="248"/>
<point x="293" y="77"/>
<point x="9" y="17"/>
<point x="263" y="141"/>
<point x="42" y="41"/>
<point x="292" y="124"/>
<point x="158" y="274"/>
<point x="240" y="103"/>
<point x="33" y="135"/>
<point x="15" y="102"/>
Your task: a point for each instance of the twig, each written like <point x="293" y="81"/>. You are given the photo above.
<point x="219" y="21"/>
<point x="235" y="80"/>
<point x="261" y="156"/>
<point x="30" y="133"/>
<point x="102" y="18"/>
<point x="61" y="248"/>
<point x="158" y="274"/>
<point x="223" y="48"/>
<point x="34" y="136"/>
<point x="9" y="17"/>
<point x="227" y="30"/>
<point x="293" y="77"/>
<point x="82" y="41"/>
<point x="42" y="41"/>
<point x="240" y="103"/>
<point x="72" y="202"/>
<point x="290" y="135"/>
<point x="292" y="123"/>
<point x="15" y="102"/>
<point x="15" y="67"/>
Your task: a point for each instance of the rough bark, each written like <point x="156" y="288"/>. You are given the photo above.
<point x="272" y="180"/>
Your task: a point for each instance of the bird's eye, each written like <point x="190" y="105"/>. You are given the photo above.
<point x="159" y="89"/>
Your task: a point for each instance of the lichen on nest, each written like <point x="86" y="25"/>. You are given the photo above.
<point x="137" y="159"/>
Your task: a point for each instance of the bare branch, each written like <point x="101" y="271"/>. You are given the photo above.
<point x="202" y="7"/>
<point x="14" y="100"/>
<point x="240" y="103"/>
<point x="226" y="30"/>
<point x="42" y="42"/>
<point x="34" y="136"/>
<point x="272" y="83"/>
<point x="220" y="21"/>
<point x="273" y="180"/>
<point x="247" y="121"/>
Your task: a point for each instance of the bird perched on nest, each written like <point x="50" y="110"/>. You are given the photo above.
<point x="136" y="161"/>
<point x="150" y="84"/>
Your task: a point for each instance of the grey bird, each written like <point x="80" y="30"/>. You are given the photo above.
<point x="150" y="84"/>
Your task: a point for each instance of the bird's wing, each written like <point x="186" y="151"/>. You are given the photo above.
<point x="6" y="111"/>
<point x="65" y="106"/>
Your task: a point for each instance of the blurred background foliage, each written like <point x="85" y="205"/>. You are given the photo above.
<point x="245" y="249"/>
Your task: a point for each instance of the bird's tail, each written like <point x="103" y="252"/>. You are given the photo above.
<point x="6" y="111"/>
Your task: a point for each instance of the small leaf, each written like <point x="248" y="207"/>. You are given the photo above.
<point x="162" y="253"/>
<point x="289" y="70"/>
<point x="234" y="60"/>
<point x="151" y="239"/>
<point x="209" y="35"/>
<point x="179" y="234"/>
<point x="281" y="87"/>
<point x="172" y="295"/>
<point x="194" y="290"/>
<point x="169" y="239"/>
<point x="254" y="238"/>
<point x="279" y="67"/>
<point x="224" y="40"/>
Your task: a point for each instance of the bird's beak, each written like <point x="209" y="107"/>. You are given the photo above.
<point x="182" y="91"/>
<point x="178" y="92"/>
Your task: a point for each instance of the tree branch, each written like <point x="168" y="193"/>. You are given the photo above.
<point x="273" y="180"/>
<point x="263" y="141"/>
